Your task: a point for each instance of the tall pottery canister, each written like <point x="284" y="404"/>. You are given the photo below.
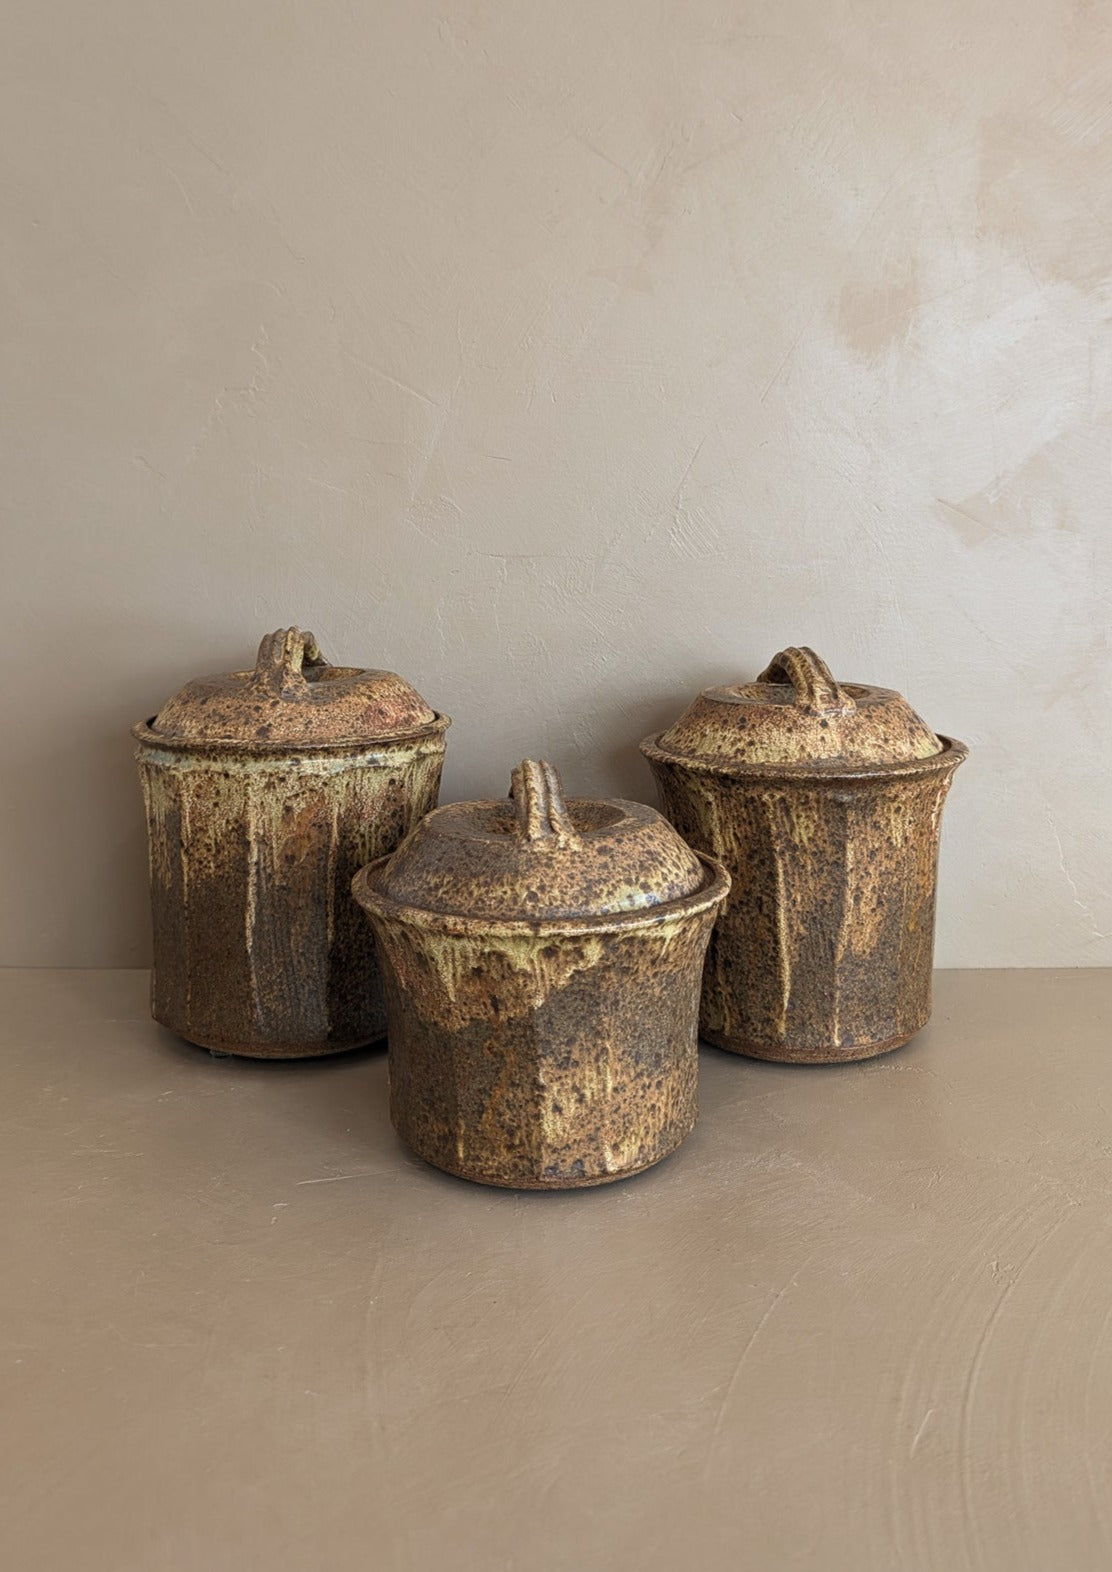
<point x="824" y="801"/>
<point x="265" y="790"/>
<point x="542" y="960"/>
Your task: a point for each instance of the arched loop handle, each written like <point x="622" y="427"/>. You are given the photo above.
<point x="811" y="681"/>
<point x="282" y="656"/>
<point x="542" y="813"/>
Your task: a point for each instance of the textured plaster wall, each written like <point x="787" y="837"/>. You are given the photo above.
<point x="565" y="358"/>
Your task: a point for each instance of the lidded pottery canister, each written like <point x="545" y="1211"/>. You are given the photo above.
<point x="542" y="960"/>
<point x="823" y="799"/>
<point x="265" y="791"/>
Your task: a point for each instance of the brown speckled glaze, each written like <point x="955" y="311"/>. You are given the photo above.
<point x="261" y="805"/>
<point x="549" y="1042"/>
<point x="824" y="949"/>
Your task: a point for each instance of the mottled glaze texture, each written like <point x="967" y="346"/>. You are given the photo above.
<point x="824" y="949"/>
<point x="259" y="948"/>
<point x="634" y="858"/>
<point x="795" y="713"/>
<point x="544" y="1051"/>
<point x="293" y="697"/>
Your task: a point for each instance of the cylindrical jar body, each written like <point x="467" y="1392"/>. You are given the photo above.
<point x="546" y="1055"/>
<point x="824" y="949"/>
<point x="259" y="948"/>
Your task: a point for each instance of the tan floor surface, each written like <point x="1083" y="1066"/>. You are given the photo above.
<point x="863" y="1320"/>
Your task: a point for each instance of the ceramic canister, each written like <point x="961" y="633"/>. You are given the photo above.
<point x="823" y="799"/>
<point x="265" y="791"/>
<point x="542" y="960"/>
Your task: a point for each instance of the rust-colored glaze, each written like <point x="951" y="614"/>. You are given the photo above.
<point x="542" y="961"/>
<point x="294" y="697"/>
<point x="824" y="802"/>
<point x="795" y="713"/>
<point x="262" y="802"/>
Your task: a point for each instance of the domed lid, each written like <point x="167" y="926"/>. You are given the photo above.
<point x="538" y="856"/>
<point x="294" y="696"/>
<point x="795" y="713"/>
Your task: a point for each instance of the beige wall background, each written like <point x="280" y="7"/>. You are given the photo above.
<point x="565" y="358"/>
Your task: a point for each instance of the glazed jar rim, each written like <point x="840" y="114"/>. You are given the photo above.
<point x="713" y="890"/>
<point x="816" y="772"/>
<point x="144" y="732"/>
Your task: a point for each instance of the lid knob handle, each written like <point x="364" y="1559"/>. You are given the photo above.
<point x="281" y="657"/>
<point x="810" y="678"/>
<point x="542" y="813"/>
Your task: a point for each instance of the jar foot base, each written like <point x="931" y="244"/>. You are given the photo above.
<point x="273" y="1051"/>
<point x="785" y="1053"/>
<point x="536" y="1184"/>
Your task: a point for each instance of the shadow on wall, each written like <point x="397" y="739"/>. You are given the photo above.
<point x="82" y="776"/>
<point x="77" y="763"/>
<point x="622" y="762"/>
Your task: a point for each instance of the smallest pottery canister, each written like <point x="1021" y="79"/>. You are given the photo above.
<point x="824" y="800"/>
<point x="542" y="960"/>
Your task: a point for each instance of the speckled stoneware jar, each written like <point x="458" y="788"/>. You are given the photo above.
<point x="265" y="791"/>
<point x="823" y="800"/>
<point x="542" y="962"/>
